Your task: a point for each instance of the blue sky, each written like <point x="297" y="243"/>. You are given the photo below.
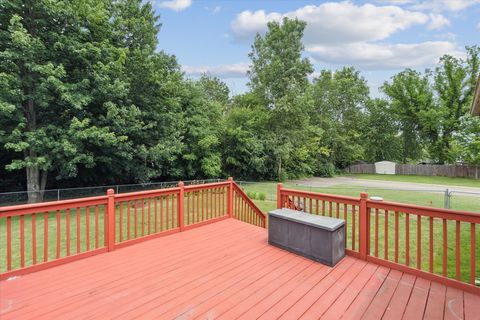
<point x="378" y="37"/>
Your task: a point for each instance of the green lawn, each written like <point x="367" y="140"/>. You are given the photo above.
<point x="465" y="182"/>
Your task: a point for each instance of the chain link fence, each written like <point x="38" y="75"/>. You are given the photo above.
<point x="21" y="197"/>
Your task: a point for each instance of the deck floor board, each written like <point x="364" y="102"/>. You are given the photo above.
<point x="225" y="270"/>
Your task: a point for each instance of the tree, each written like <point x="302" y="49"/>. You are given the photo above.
<point x="57" y="60"/>
<point x="340" y="100"/>
<point x="454" y="85"/>
<point x="411" y="96"/>
<point x="279" y="77"/>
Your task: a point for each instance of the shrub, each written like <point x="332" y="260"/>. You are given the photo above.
<point x="262" y="196"/>
<point x="252" y="195"/>
<point x="326" y="170"/>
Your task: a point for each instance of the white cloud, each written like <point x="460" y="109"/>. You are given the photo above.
<point x="213" y="10"/>
<point x="236" y="70"/>
<point x="176" y="5"/>
<point x="444" y="5"/>
<point x="385" y="56"/>
<point x="437" y="21"/>
<point x="334" y="22"/>
<point x="346" y="33"/>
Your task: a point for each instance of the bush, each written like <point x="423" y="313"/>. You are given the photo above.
<point x="252" y="195"/>
<point x="262" y="196"/>
<point x="325" y="170"/>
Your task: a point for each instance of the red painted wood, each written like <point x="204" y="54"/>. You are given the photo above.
<point x="78" y="229"/>
<point x="120" y="222"/>
<point x="400" y="298"/>
<point x="161" y="213"/>
<point x="396" y="236"/>
<point x="45" y="237"/>
<point x="472" y="253"/>
<point x="96" y="227"/>
<point x="445" y="244"/>
<point x="376" y="232"/>
<point x="34" y="238"/>
<point x="431" y="244"/>
<point x="457" y="250"/>
<point x="471" y="304"/>
<point x="22" y="241"/>
<point x="436" y="302"/>
<point x="58" y="232"/>
<point x="417" y="300"/>
<point x="128" y="219"/>
<point x="419" y="242"/>
<point x="353" y="228"/>
<point x="454" y="304"/>
<point x="385" y="231"/>
<point x="9" y="243"/>
<point x="167" y="213"/>
<point x="87" y="228"/>
<point x="149" y="211"/>
<point x="407" y="239"/>
<point x="379" y="304"/>
<point x="67" y="227"/>
<point x="143" y="216"/>
<point x="155" y="209"/>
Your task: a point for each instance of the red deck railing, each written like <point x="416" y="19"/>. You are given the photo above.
<point x="410" y="238"/>
<point x="46" y="234"/>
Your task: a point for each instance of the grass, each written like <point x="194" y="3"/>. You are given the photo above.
<point x="448" y="181"/>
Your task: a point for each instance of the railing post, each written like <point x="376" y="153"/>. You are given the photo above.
<point x="364" y="228"/>
<point x="230" y="197"/>
<point x="110" y="230"/>
<point x="181" y="205"/>
<point x="279" y="195"/>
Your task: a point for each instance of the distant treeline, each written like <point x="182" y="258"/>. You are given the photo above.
<point x="86" y="98"/>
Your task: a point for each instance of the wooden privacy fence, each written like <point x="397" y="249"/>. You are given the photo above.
<point x="437" y="244"/>
<point x="447" y="170"/>
<point x="42" y="235"/>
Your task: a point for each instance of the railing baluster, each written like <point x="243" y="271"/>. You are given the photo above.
<point x="376" y="232"/>
<point x="385" y="249"/>
<point x="346" y="221"/>
<point x="78" y="229"/>
<point x="419" y="242"/>
<point x="9" y="243"/>
<point x="173" y="213"/>
<point x="135" y="219"/>
<point x="128" y="219"/>
<point x="457" y="251"/>
<point x="472" y="253"/>
<point x="444" y="271"/>
<point x="338" y="210"/>
<point x="396" y="236"/>
<point x="330" y="208"/>
<point x="188" y="208"/>
<point x="22" y="241"/>
<point x="407" y="238"/>
<point x="323" y="208"/>
<point x="353" y="228"/>
<point x="120" y="223"/>
<point x="45" y="236"/>
<point x="67" y="227"/>
<point x="149" y="216"/>
<point x="161" y="213"/>
<point x="96" y="226"/>
<point x="431" y="245"/>
<point x="143" y="216"/>
<point x="87" y="229"/>
<point x="58" y="232"/>
<point x="34" y="238"/>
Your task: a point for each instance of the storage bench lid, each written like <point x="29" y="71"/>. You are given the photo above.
<point x="321" y="222"/>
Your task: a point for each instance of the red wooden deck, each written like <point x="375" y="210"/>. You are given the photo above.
<point x="225" y="270"/>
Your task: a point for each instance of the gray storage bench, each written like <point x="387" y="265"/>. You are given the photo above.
<point x="316" y="237"/>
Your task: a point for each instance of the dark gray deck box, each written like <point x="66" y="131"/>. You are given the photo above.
<point x="316" y="237"/>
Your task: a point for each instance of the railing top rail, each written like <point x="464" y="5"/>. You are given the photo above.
<point x="193" y="187"/>
<point x="51" y="206"/>
<point x="147" y="193"/>
<point x="325" y="196"/>
<point x="248" y="200"/>
<point x="422" y="210"/>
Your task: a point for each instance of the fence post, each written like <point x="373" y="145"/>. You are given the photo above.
<point x="364" y="227"/>
<point x="110" y="225"/>
<point x="279" y="195"/>
<point x="181" y="205"/>
<point x="230" y="197"/>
